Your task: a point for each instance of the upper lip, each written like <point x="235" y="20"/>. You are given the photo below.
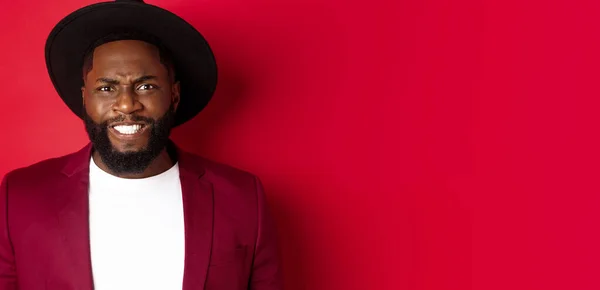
<point x="126" y="123"/>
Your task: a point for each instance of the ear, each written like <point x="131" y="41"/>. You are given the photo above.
<point x="83" y="95"/>
<point x="176" y="94"/>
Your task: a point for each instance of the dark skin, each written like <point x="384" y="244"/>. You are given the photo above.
<point x="127" y="78"/>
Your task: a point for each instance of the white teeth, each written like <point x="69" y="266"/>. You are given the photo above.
<point x="128" y="129"/>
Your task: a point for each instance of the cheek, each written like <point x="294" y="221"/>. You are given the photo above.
<point x="96" y="109"/>
<point x="155" y="105"/>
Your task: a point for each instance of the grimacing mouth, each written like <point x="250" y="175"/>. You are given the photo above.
<point x="128" y="128"/>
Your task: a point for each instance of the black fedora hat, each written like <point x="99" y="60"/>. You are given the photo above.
<point x="75" y="34"/>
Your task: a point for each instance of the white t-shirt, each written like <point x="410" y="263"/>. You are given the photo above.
<point x="136" y="231"/>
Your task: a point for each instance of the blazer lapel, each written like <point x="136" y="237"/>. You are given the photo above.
<point x="198" y="216"/>
<point x="197" y="197"/>
<point x="73" y="218"/>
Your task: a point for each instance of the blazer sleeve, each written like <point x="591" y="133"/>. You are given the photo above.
<point x="8" y="275"/>
<point x="266" y="267"/>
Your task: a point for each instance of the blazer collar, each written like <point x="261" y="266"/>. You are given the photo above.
<point x="198" y="202"/>
<point x="189" y="164"/>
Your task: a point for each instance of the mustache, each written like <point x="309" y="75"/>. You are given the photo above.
<point x="132" y="118"/>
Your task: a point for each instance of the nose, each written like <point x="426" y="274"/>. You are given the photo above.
<point x="127" y="101"/>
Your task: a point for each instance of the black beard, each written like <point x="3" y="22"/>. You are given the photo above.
<point x="130" y="162"/>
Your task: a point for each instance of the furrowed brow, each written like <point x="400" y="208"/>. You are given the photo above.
<point x="108" y="81"/>
<point x="144" y="78"/>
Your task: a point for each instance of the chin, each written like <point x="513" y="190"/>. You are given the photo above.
<point x="137" y="144"/>
<point x="128" y="147"/>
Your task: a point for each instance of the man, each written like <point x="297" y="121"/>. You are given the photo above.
<point x="131" y="210"/>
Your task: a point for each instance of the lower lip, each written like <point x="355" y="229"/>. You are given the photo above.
<point x="128" y="136"/>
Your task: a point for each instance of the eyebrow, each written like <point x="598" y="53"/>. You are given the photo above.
<point x="116" y="82"/>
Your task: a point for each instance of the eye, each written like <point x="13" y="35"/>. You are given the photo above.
<point x="146" y="87"/>
<point x="105" y="89"/>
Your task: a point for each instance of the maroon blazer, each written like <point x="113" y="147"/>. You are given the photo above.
<point x="230" y="240"/>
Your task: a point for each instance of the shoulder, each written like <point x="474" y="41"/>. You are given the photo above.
<point x="39" y="172"/>
<point x="219" y="173"/>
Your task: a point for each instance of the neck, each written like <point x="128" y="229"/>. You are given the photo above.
<point x="160" y="164"/>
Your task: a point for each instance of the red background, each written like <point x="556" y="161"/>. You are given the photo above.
<point x="422" y="144"/>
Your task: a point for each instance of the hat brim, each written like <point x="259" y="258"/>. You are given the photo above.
<point x="73" y="35"/>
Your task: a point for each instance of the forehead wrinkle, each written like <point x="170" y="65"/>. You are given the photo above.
<point x="120" y="62"/>
<point x="124" y="70"/>
<point x="127" y="69"/>
<point x="121" y="76"/>
<point x="131" y="75"/>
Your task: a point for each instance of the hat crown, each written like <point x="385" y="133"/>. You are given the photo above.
<point x="138" y="1"/>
